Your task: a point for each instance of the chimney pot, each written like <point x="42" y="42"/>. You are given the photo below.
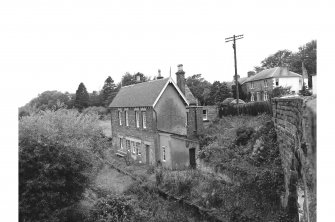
<point x="181" y="78"/>
<point x="180" y="67"/>
<point x="159" y="74"/>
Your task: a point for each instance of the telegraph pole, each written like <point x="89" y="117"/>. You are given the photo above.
<point x="229" y="39"/>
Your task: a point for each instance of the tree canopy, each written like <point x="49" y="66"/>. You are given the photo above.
<point x="108" y="92"/>
<point x="199" y="87"/>
<point x="219" y="92"/>
<point x="129" y="79"/>
<point x="82" y="97"/>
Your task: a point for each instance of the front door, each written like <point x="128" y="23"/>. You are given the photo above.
<point x="192" y="158"/>
<point x="147" y="154"/>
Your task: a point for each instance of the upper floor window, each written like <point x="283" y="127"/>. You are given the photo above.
<point x="144" y="119"/>
<point x="204" y="114"/>
<point x="265" y="83"/>
<point x="132" y="147"/>
<point x="121" y="146"/>
<point x="120" y="118"/>
<point x="251" y="85"/>
<point x="126" y="117"/>
<point x="277" y="82"/>
<point x="137" y="119"/>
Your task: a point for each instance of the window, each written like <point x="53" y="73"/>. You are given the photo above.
<point x="121" y="147"/>
<point x="132" y="147"/>
<point x="266" y="97"/>
<point x="277" y="82"/>
<point x="137" y="119"/>
<point x="128" y="145"/>
<point x="252" y="97"/>
<point x="126" y="117"/>
<point x="138" y="149"/>
<point x="164" y="153"/>
<point x="251" y="85"/>
<point x="204" y="114"/>
<point x="144" y="120"/>
<point x="120" y="118"/>
<point x="258" y="96"/>
<point x="265" y="83"/>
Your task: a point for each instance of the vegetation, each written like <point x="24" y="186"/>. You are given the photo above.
<point x="199" y="87"/>
<point x="82" y="97"/>
<point x="58" y="157"/>
<point x="109" y="91"/>
<point x="253" y="109"/>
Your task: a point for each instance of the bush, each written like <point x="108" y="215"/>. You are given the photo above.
<point x="52" y="178"/>
<point x="252" y="108"/>
<point x="98" y="110"/>
<point x="112" y="208"/>
<point x="243" y="135"/>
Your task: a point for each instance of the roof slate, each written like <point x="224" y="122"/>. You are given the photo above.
<point x="189" y="96"/>
<point x="139" y="95"/>
<point x="276" y="72"/>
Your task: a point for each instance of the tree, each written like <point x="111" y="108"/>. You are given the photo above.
<point x="219" y="92"/>
<point x="95" y="98"/>
<point x="241" y="93"/>
<point x="109" y="91"/>
<point x="82" y="97"/>
<point x="129" y="79"/>
<point x="199" y="87"/>
<point x="49" y="100"/>
<point x="280" y="58"/>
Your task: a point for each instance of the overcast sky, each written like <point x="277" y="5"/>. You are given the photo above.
<point x="55" y="45"/>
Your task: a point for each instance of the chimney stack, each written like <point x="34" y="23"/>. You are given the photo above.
<point x="159" y="74"/>
<point x="181" y="78"/>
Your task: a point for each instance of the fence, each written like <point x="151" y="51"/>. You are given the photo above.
<point x="253" y="108"/>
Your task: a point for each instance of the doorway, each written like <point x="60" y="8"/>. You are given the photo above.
<point x="192" y="158"/>
<point x="147" y="154"/>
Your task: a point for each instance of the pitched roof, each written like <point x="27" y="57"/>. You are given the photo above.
<point x="276" y="72"/>
<point x="142" y="94"/>
<point x="189" y="96"/>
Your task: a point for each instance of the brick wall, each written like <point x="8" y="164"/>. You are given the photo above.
<point x="295" y="122"/>
<point x="145" y="135"/>
<point x="195" y="124"/>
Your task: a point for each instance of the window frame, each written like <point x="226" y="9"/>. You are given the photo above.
<point x="252" y="98"/>
<point x="128" y="145"/>
<point x="133" y="147"/>
<point x="120" y="117"/>
<point x="266" y="96"/>
<point x="126" y="118"/>
<point x="138" y="148"/>
<point x="163" y="153"/>
<point x="144" y="119"/>
<point x="205" y="114"/>
<point x="121" y="143"/>
<point x="137" y="119"/>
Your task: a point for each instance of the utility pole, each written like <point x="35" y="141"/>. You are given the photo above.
<point x="229" y="39"/>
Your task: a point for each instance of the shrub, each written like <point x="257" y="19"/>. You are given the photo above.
<point x="98" y="110"/>
<point x="52" y="178"/>
<point x="243" y="135"/>
<point x="252" y="108"/>
<point x="112" y="208"/>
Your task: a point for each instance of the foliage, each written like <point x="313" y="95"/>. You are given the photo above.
<point x="129" y="79"/>
<point x="280" y="91"/>
<point x="52" y="178"/>
<point x="253" y="108"/>
<point x="82" y="97"/>
<point x="97" y="110"/>
<point x="306" y="54"/>
<point x="242" y="95"/>
<point x="199" y="87"/>
<point x="304" y="91"/>
<point x="112" y="208"/>
<point x="49" y="100"/>
<point x="218" y="92"/>
<point x="243" y="135"/>
<point x="95" y="99"/>
<point x="109" y="91"/>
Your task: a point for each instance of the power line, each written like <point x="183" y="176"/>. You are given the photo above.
<point x="229" y="39"/>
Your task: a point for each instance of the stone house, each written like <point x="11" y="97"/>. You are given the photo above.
<point x="260" y="85"/>
<point x="155" y="122"/>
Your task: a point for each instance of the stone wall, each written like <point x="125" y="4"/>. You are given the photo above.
<point x="295" y="122"/>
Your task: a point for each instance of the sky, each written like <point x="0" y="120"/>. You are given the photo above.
<point x="56" y="45"/>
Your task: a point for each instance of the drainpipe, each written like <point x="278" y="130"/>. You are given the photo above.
<point x="156" y="131"/>
<point x="196" y="121"/>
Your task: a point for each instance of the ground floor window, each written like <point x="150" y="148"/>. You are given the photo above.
<point x="204" y="114"/>
<point x="128" y="145"/>
<point x="252" y="97"/>
<point x="164" y="153"/>
<point x="121" y="146"/>
<point x="266" y="96"/>
<point x="138" y="149"/>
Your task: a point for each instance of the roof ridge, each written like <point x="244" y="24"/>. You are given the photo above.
<point x="154" y="80"/>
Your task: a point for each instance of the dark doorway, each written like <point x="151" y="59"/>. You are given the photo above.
<point x="147" y="154"/>
<point x="192" y="158"/>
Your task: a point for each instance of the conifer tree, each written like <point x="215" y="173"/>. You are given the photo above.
<point x="109" y="91"/>
<point x="82" y="97"/>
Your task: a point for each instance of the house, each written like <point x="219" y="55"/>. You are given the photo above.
<point x="261" y="84"/>
<point x="155" y="122"/>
